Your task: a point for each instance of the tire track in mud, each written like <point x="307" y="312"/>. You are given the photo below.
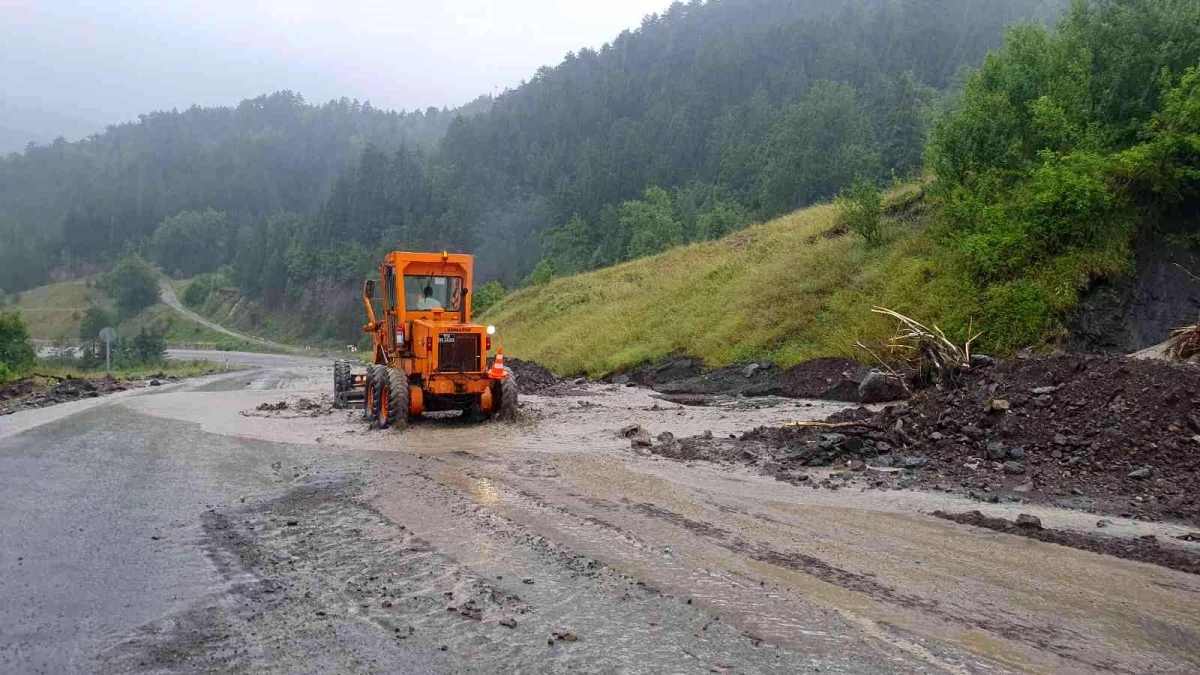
<point x="1044" y="637"/>
<point x="319" y="581"/>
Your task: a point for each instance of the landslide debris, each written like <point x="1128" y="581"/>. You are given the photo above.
<point x="834" y="379"/>
<point x="1085" y="431"/>
<point x="1144" y="549"/>
<point x="29" y="393"/>
<point x="534" y="378"/>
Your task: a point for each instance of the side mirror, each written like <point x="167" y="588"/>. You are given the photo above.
<point x="369" y="288"/>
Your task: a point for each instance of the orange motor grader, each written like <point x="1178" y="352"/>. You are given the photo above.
<point x="428" y="356"/>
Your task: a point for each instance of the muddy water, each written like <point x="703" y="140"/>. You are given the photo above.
<point x="818" y="577"/>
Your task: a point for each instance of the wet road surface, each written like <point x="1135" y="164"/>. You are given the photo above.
<point x="180" y="529"/>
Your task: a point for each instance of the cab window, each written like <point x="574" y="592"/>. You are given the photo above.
<point x="443" y="292"/>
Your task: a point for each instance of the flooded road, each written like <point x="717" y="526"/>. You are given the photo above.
<point x="299" y="541"/>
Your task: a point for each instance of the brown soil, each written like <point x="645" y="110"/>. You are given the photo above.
<point x="1143" y="549"/>
<point x="826" y="378"/>
<point x="1104" y="433"/>
<point x="29" y="393"/>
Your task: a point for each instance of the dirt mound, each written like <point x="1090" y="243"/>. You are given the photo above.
<point x="1144" y="549"/>
<point x="1099" y="432"/>
<point x="532" y="377"/>
<point x="29" y="393"/>
<point x="831" y="379"/>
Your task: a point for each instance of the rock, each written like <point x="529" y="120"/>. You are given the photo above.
<point x="1028" y="521"/>
<point x="1103" y="522"/>
<point x="565" y="635"/>
<point x="981" y="361"/>
<point x="1141" y="473"/>
<point x="707" y="435"/>
<point x="1014" y="468"/>
<point x="856" y="465"/>
<point x="508" y="622"/>
<point x="883" y="461"/>
<point x="527" y="581"/>
<point x="878" y="387"/>
<point x="1000" y="405"/>
<point x="629" y="430"/>
<point x="973" y="432"/>
<point x="1024" y="487"/>
<point x="853" y="444"/>
<point x="1016" y="453"/>
<point x="913" y="462"/>
<point x="155" y="383"/>
<point x="577" y="381"/>
<point x="1059" y="439"/>
<point x="750" y="370"/>
<point x="641" y="440"/>
<point x="1196" y="439"/>
<point x="936" y="436"/>
<point x="1043" y="391"/>
<point x="996" y="450"/>
<point x="1190" y="536"/>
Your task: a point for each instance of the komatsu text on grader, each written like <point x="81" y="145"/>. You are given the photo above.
<point x="428" y="356"/>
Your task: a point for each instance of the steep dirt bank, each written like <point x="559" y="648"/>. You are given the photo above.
<point x="1096" y="432"/>
<point x="681" y="376"/>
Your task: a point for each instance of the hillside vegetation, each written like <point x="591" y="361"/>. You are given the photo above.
<point x="1066" y="147"/>
<point x="792" y="289"/>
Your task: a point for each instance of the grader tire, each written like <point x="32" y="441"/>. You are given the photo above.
<point x="379" y="383"/>
<point x="369" y="395"/>
<point x="341" y="383"/>
<point x="398" y="399"/>
<point x="507" y="410"/>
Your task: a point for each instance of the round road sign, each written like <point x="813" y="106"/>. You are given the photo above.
<point x="108" y="334"/>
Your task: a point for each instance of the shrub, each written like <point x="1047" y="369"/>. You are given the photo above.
<point x="486" y="296"/>
<point x="861" y="209"/>
<point x="16" y="353"/>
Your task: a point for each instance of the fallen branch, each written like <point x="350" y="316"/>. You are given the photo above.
<point x="927" y="350"/>
<point x="1184" y="343"/>
<point x="56" y="378"/>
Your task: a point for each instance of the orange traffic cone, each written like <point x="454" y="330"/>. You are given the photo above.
<point x="497" y="371"/>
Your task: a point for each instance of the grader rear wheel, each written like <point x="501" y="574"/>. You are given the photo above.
<point x="341" y="383"/>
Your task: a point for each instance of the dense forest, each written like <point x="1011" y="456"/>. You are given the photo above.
<point x="708" y="116"/>
<point x="69" y="206"/>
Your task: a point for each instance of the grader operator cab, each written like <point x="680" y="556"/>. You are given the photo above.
<point x="428" y="356"/>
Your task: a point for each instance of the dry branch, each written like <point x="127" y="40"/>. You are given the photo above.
<point x="1184" y="343"/>
<point x="927" y="350"/>
<point x="830" y="425"/>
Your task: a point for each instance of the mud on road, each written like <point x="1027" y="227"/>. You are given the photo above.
<point x="554" y="545"/>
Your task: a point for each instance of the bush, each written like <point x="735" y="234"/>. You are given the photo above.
<point x="861" y="209"/>
<point x="16" y="353"/>
<point x="486" y="296"/>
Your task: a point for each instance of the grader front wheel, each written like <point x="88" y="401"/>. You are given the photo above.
<point x="397" y="399"/>
<point x="507" y="391"/>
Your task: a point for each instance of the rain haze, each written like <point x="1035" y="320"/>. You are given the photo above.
<point x="72" y="67"/>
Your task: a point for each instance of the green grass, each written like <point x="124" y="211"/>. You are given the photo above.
<point x="53" y="312"/>
<point x="788" y="290"/>
<point x="171" y="368"/>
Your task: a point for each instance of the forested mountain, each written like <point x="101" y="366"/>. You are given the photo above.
<point x="708" y="116"/>
<point x="66" y="204"/>
<point x="739" y="109"/>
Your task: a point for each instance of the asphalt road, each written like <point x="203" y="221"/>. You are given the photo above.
<point x="183" y="529"/>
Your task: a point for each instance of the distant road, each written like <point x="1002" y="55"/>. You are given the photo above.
<point x="168" y="297"/>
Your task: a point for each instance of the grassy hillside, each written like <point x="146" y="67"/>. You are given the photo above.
<point x="53" y="311"/>
<point x="792" y="289"/>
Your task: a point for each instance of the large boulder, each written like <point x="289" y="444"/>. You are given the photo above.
<point x="879" y="387"/>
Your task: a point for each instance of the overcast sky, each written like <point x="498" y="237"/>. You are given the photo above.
<point x="109" y="60"/>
